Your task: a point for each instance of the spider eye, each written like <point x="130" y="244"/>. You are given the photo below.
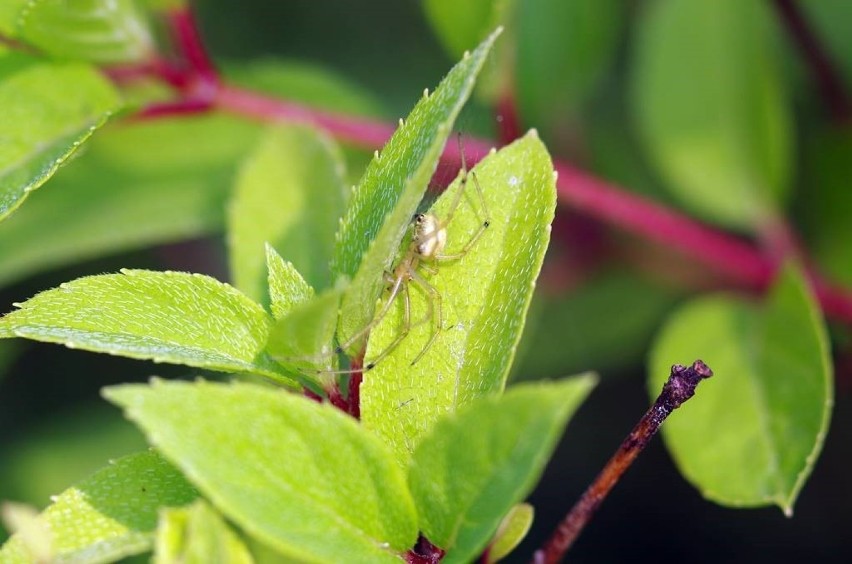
<point x="419" y="218"/>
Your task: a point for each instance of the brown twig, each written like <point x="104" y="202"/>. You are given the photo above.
<point x="825" y="73"/>
<point x="679" y="388"/>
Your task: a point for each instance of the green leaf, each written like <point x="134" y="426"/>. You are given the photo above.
<point x="565" y="48"/>
<point x="459" y="25"/>
<point x="476" y="464"/>
<point x="711" y="105"/>
<point x="484" y="299"/>
<point x="290" y="193"/>
<point x="512" y="530"/>
<point x="828" y="206"/>
<point x="287" y="288"/>
<point x="134" y="186"/>
<point x="172" y="317"/>
<point x="92" y="30"/>
<point x="300" y="476"/>
<point x="393" y="185"/>
<point x="49" y="110"/>
<point x="197" y="535"/>
<point x="301" y="339"/>
<point x="755" y="432"/>
<point x="109" y="515"/>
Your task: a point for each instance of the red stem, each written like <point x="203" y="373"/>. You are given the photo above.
<point x="188" y="41"/>
<point x="739" y="261"/>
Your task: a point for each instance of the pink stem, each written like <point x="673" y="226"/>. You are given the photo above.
<point x="742" y="263"/>
<point x="188" y="40"/>
<point x="736" y="259"/>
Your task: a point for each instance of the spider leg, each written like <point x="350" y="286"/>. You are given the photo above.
<point x="406" y="327"/>
<point x="434" y="307"/>
<point x="482" y="227"/>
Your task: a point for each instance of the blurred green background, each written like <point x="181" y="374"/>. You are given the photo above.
<point x="603" y="293"/>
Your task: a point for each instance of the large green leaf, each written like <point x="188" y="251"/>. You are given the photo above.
<point x="49" y="111"/>
<point x="392" y="187"/>
<point x="753" y="436"/>
<point x="172" y="317"/>
<point x="290" y="193"/>
<point x="484" y="299"/>
<point x="92" y="30"/>
<point x="476" y="464"/>
<point x="565" y="47"/>
<point x="300" y="476"/>
<point x="197" y="534"/>
<point x="109" y="516"/>
<point x="711" y="106"/>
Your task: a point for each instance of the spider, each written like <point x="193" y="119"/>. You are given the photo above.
<point x="426" y="252"/>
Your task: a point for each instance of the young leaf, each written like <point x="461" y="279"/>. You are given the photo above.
<point x="512" y="530"/>
<point x="110" y="515"/>
<point x="92" y="30"/>
<point x="300" y="476"/>
<point x="197" y="534"/>
<point x="50" y="110"/>
<point x="287" y="288"/>
<point x="301" y="339"/>
<point x="484" y="298"/>
<point x="476" y="464"/>
<point x="134" y="186"/>
<point x="290" y="194"/>
<point x="393" y="185"/>
<point x="755" y="435"/>
<point x="172" y="317"/>
<point x="712" y="108"/>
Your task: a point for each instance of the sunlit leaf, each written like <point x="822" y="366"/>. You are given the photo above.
<point x="392" y="187"/>
<point x="476" y="464"/>
<point x="753" y="435"/>
<point x="300" y="476"/>
<point x="287" y="288"/>
<point x="172" y="317"/>
<point x="49" y="111"/>
<point x="110" y="515"/>
<point x="484" y="297"/>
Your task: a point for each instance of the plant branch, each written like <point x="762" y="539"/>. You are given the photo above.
<point x="738" y="261"/>
<point x="678" y="389"/>
<point x="830" y="84"/>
